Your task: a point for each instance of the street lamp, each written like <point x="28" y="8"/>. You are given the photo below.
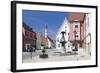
<point x="75" y="42"/>
<point x="63" y="42"/>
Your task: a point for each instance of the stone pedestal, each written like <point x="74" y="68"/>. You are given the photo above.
<point x="44" y="56"/>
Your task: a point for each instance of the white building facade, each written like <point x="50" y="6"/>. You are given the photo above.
<point x="63" y="28"/>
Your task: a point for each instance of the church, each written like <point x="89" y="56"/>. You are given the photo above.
<point x="46" y="40"/>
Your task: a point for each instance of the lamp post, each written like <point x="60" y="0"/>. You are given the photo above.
<point x="63" y="42"/>
<point x="75" y="43"/>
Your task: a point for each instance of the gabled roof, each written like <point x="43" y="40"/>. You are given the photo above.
<point x="64" y="22"/>
<point x="50" y="39"/>
<point x="45" y="40"/>
<point x="27" y="27"/>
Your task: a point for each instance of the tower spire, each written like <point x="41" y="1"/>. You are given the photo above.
<point x="46" y="31"/>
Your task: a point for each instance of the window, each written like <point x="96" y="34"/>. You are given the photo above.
<point x="27" y="46"/>
<point x="26" y="32"/>
<point x="58" y="45"/>
<point x="31" y="35"/>
<point x="77" y="36"/>
<point x="76" y="26"/>
<point x="57" y="39"/>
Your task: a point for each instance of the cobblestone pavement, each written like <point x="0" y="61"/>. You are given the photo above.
<point x="55" y="55"/>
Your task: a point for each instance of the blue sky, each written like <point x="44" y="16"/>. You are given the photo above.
<point x="37" y="20"/>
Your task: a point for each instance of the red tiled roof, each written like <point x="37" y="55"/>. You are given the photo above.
<point x="44" y="40"/>
<point x="76" y="16"/>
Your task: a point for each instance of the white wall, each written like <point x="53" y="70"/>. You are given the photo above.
<point x="63" y="27"/>
<point x="5" y="37"/>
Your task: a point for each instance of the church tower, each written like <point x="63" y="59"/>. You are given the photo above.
<point x="46" y="31"/>
<point x="47" y="41"/>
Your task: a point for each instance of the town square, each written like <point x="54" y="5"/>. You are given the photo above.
<point x="49" y="36"/>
